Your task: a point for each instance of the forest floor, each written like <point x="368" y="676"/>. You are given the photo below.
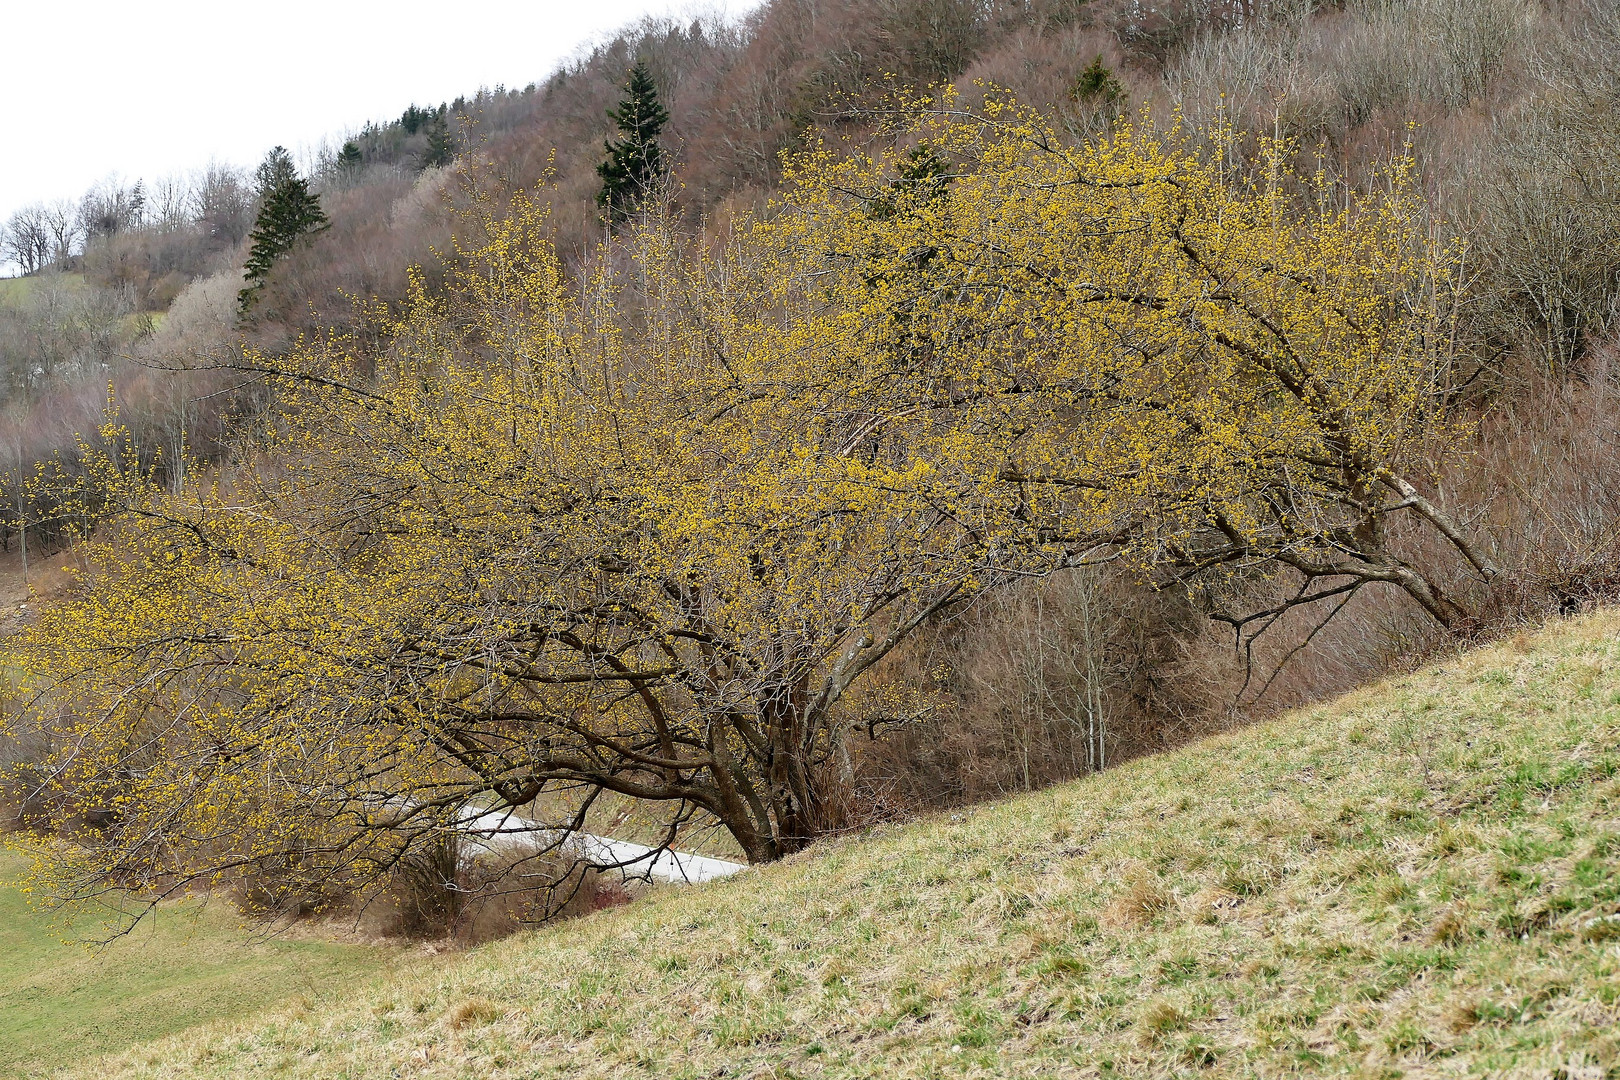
<point x="1420" y="879"/>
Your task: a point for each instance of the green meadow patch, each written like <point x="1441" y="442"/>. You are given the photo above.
<point x="64" y="1003"/>
<point x="16" y="290"/>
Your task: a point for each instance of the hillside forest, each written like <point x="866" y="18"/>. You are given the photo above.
<point x="757" y="431"/>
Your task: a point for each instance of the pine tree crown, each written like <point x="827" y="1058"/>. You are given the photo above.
<point x="276" y="168"/>
<point x="289" y="211"/>
<point x="635" y="162"/>
<point x="441" y="147"/>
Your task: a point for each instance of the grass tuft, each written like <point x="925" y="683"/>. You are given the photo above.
<point x="474" y="1012"/>
<point x="1142" y="900"/>
<point x="1158" y="1019"/>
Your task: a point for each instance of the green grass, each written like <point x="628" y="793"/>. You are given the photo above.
<point x="61" y="1003"/>
<point x="17" y="289"/>
<point x="1422" y="879"/>
<point x="14" y="290"/>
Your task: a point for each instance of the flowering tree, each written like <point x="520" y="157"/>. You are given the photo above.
<point x="645" y="535"/>
<point x="1202" y="372"/>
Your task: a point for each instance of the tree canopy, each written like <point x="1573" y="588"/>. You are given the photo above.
<point x="643" y="536"/>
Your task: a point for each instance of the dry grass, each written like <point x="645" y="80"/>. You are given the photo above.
<point x="1138" y="903"/>
<point x="474" y="1012"/>
<point x="1420" y="879"/>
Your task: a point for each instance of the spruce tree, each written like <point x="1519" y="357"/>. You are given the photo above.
<point x="1096" y="85"/>
<point x="441" y="148"/>
<point x="349" y="159"/>
<point x="413" y="118"/>
<point x="635" y="162"/>
<point x="272" y="172"/>
<point x="287" y="211"/>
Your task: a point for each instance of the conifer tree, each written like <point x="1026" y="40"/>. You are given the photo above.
<point x="635" y="162"/>
<point x="413" y="118"/>
<point x="349" y="158"/>
<point x="1097" y="86"/>
<point x="287" y="211"/>
<point x="441" y="149"/>
<point x="272" y="172"/>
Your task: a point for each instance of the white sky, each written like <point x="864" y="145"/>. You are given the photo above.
<point x="145" y="89"/>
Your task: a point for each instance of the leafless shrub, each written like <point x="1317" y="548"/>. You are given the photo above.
<point x="21" y="779"/>
<point x="1042" y="67"/>
<point x="1308" y="74"/>
<point x="1547" y="480"/>
<point x="154" y="263"/>
<point x="426" y="889"/>
<point x="453" y="887"/>
<point x="1542" y="196"/>
<point x="1033" y="686"/>
<point x="60" y="331"/>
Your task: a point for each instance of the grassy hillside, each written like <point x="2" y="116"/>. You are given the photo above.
<point x="1422" y="879"/>
<point x="62" y="1003"/>
<point x="16" y="290"/>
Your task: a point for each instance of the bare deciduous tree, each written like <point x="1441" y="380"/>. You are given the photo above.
<point x="222" y="203"/>
<point x="110" y="208"/>
<point x="62" y="221"/>
<point x="28" y="239"/>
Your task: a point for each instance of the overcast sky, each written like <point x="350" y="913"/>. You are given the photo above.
<point x="144" y="89"/>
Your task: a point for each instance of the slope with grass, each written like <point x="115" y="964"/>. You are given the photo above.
<point x="16" y="290"/>
<point x="63" y="1003"/>
<point x="1422" y="879"/>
